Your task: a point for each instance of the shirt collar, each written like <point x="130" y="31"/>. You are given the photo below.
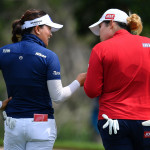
<point x="121" y="31"/>
<point x="33" y="38"/>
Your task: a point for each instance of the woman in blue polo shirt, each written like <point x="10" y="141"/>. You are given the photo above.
<point x="33" y="80"/>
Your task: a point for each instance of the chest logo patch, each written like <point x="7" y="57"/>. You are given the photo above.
<point x="20" y="57"/>
<point x="6" y="50"/>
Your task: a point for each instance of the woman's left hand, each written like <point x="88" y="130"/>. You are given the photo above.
<point x="4" y="103"/>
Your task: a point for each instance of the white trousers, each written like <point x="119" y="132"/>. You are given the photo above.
<point x="29" y="135"/>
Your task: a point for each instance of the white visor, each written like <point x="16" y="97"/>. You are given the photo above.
<point x="111" y="14"/>
<point x="44" y="20"/>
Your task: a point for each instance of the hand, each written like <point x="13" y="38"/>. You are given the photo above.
<point x="81" y="78"/>
<point x="10" y="122"/>
<point x="113" y="124"/>
<point x="5" y="102"/>
<point x="146" y="123"/>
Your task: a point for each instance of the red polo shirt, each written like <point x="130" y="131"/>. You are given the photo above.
<point x="119" y="72"/>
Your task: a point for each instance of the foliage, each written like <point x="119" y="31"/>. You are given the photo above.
<point x="2" y="88"/>
<point x="73" y="46"/>
<point x="69" y="131"/>
<point x="88" y="12"/>
<point x="1" y="141"/>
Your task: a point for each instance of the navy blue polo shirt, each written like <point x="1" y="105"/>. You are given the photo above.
<point x="26" y="67"/>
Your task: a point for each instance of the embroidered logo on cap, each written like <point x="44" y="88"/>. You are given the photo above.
<point x="110" y="16"/>
<point x="147" y="134"/>
<point x="36" y="23"/>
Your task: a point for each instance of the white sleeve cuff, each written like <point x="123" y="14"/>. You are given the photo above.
<point x="0" y="104"/>
<point x="58" y="93"/>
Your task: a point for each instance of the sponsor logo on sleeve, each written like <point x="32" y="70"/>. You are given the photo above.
<point x="110" y="16"/>
<point x="39" y="54"/>
<point x="146" y="134"/>
<point x="56" y="73"/>
<point x="146" y="44"/>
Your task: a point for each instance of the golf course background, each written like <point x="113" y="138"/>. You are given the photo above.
<point x="73" y="45"/>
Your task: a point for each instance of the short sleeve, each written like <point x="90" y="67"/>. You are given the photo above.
<point x="53" y="68"/>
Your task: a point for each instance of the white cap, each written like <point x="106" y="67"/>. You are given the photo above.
<point x="44" y="20"/>
<point x="111" y="14"/>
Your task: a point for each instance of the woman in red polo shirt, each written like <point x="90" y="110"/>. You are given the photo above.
<point x="119" y="73"/>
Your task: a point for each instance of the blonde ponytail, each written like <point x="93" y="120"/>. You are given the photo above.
<point x="135" y="24"/>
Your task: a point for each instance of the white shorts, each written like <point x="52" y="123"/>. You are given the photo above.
<point x="29" y="135"/>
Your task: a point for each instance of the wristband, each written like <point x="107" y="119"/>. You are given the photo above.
<point x="0" y="104"/>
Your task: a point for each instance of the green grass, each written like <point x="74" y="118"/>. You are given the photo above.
<point x="73" y="145"/>
<point x="1" y="142"/>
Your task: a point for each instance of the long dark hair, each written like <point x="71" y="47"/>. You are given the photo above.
<point x="17" y="32"/>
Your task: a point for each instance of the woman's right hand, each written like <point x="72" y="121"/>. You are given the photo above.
<point x="81" y="78"/>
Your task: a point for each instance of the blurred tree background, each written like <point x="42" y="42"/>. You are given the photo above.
<point x="73" y="46"/>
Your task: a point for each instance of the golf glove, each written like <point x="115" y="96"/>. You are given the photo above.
<point x="10" y="122"/>
<point x="113" y="124"/>
<point x="146" y="123"/>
